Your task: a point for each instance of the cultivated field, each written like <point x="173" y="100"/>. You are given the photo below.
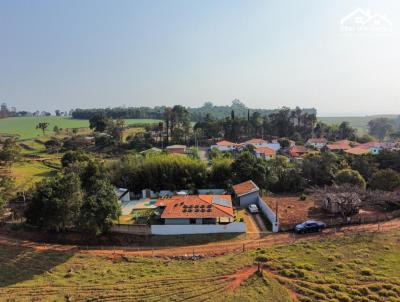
<point x="358" y="267"/>
<point x="25" y="127"/>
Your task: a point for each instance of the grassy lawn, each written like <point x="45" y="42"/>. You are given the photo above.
<point x="25" y="127"/>
<point x="28" y="172"/>
<point x="353" y="268"/>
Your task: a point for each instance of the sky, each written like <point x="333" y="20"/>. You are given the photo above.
<point x="95" y="53"/>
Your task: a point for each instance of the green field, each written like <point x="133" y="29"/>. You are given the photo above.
<point x="25" y="127"/>
<point x="359" y="267"/>
<point x="359" y="122"/>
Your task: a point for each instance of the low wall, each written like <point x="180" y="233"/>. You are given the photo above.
<point x="136" y="229"/>
<point x="234" y="227"/>
<point x="262" y="205"/>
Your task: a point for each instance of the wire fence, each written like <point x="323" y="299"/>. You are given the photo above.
<point x="198" y="251"/>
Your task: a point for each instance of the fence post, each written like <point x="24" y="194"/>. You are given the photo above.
<point x="243" y="248"/>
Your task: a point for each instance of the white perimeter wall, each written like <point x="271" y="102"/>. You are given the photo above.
<point x="269" y="213"/>
<point x="234" y="227"/>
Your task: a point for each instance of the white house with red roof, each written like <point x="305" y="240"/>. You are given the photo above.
<point x="196" y="214"/>
<point x="225" y="146"/>
<point x="265" y="153"/>
<point x="196" y="209"/>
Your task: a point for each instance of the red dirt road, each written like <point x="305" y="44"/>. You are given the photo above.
<point x="208" y="249"/>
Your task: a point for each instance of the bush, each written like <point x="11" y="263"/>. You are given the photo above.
<point x="352" y="177"/>
<point x="385" y="180"/>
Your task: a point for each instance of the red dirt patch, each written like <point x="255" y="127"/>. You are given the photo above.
<point x="236" y="279"/>
<point x="291" y="209"/>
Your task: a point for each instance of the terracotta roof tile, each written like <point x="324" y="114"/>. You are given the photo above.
<point x="245" y="188"/>
<point x="265" y="151"/>
<point x="226" y="143"/>
<point x="196" y="206"/>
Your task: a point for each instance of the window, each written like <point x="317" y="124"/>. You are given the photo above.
<point x="192" y="220"/>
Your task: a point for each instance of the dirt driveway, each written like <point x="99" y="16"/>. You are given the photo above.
<point x="209" y="249"/>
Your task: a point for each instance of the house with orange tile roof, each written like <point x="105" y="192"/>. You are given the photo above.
<point x="341" y="145"/>
<point x="298" y="151"/>
<point x="225" y="146"/>
<point x="261" y="143"/>
<point x="265" y="153"/>
<point x="246" y="193"/>
<point x="196" y="209"/>
<point x="373" y="148"/>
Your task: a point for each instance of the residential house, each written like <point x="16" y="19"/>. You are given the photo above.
<point x="298" y="151"/>
<point x="373" y="148"/>
<point x="176" y="149"/>
<point x="225" y="146"/>
<point x="317" y="143"/>
<point x="265" y="153"/>
<point x="260" y="143"/>
<point x="246" y="193"/>
<point x="196" y="209"/>
<point x="341" y="145"/>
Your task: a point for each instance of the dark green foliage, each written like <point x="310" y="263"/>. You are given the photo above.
<point x="100" y="209"/>
<point x="220" y="174"/>
<point x="83" y="200"/>
<point x="99" y="122"/>
<point x="55" y="203"/>
<point x="364" y="164"/>
<point x="160" y="172"/>
<point x="385" y="180"/>
<point x="72" y="157"/>
<point x="319" y="169"/>
<point x="389" y="160"/>
<point x="10" y="152"/>
<point x="348" y="176"/>
<point x="247" y="166"/>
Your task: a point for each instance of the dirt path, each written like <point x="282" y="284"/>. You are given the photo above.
<point x="208" y="249"/>
<point x="236" y="279"/>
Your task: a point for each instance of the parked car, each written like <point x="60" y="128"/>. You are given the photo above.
<point x="253" y="209"/>
<point x="310" y="226"/>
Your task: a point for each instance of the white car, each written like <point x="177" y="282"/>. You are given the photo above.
<point x="253" y="209"/>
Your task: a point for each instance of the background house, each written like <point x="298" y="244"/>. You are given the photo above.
<point x="317" y="143"/>
<point x="176" y="149"/>
<point x="224" y="146"/>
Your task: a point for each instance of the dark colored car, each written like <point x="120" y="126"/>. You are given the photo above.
<point x="309" y="226"/>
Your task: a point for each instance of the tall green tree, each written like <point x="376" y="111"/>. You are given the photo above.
<point x="55" y="203"/>
<point x="100" y="209"/>
<point x="99" y="122"/>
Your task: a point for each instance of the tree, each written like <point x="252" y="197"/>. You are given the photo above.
<point x="100" y="208"/>
<point x="57" y="130"/>
<point x="248" y="167"/>
<point x="7" y="185"/>
<point x="385" y="180"/>
<point x="72" y="157"/>
<point x="348" y="176"/>
<point x="99" y="122"/>
<point x="220" y="174"/>
<point x="319" y="169"/>
<point x="57" y="112"/>
<point x="55" y="203"/>
<point x="42" y="126"/>
<point x="364" y="164"/>
<point x="380" y="127"/>
<point x="10" y="151"/>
